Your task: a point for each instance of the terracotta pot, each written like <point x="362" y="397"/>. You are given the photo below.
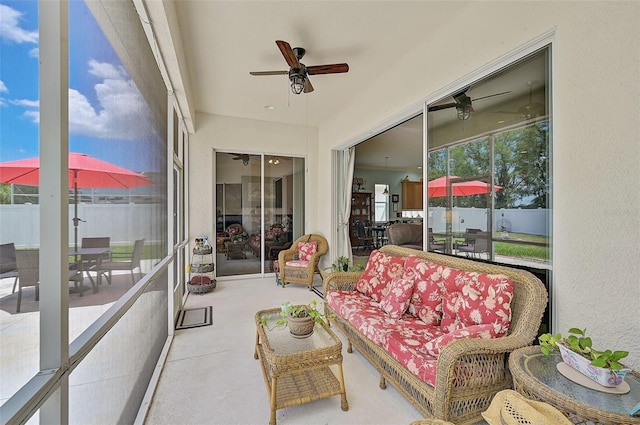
<point x="301" y="327"/>
<point x="601" y="375"/>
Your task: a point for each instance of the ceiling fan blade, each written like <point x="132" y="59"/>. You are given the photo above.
<point x="335" y="68"/>
<point x="441" y="107"/>
<point x="287" y="52"/>
<point x="268" y="72"/>
<point x="491" y="95"/>
<point x="308" y="88"/>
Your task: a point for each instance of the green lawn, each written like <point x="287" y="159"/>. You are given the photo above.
<point x="520" y="250"/>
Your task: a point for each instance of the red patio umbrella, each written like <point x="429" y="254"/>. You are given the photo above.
<point x="437" y="188"/>
<point x="84" y="172"/>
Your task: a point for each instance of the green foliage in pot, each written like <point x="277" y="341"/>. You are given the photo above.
<point x="342" y="265"/>
<point x="289" y="310"/>
<point x="580" y="343"/>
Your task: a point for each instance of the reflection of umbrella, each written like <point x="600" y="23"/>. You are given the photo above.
<point x="84" y="172"/>
<point x="438" y="187"/>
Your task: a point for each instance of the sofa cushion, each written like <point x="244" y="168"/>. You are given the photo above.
<point x="380" y="270"/>
<point x="426" y="300"/>
<point x="406" y="345"/>
<point x="485" y="331"/>
<point x="347" y="303"/>
<point x="307" y="249"/>
<point x="472" y="298"/>
<point x="396" y="300"/>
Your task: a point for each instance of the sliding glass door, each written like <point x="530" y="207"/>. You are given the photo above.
<point x="259" y="210"/>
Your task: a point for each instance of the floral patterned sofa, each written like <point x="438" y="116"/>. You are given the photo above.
<point x="439" y="328"/>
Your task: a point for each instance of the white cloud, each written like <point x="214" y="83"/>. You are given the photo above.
<point x="26" y="103"/>
<point x="3" y="88"/>
<point x="10" y="27"/>
<point x="34" y="53"/>
<point x="106" y="70"/>
<point x="121" y="112"/>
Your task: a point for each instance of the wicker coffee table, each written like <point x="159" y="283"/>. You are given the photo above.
<point x="296" y="371"/>
<point x="535" y="376"/>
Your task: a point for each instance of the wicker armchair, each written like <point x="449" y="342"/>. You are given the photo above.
<point x="296" y="274"/>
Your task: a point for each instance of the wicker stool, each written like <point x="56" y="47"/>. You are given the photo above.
<point x="431" y="422"/>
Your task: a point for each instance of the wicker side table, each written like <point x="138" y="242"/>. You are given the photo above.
<point x="535" y="376"/>
<point x="297" y="371"/>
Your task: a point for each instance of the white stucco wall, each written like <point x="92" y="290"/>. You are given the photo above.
<point x="243" y="135"/>
<point x="596" y="146"/>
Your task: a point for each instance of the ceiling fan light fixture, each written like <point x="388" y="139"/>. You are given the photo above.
<point x="464" y="112"/>
<point x="297" y="79"/>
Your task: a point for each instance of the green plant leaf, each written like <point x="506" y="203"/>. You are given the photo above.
<point x="617" y="355"/>
<point x="578" y="331"/>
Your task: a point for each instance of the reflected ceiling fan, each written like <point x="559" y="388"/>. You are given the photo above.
<point x="462" y="103"/>
<point x="299" y="72"/>
<point x="241" y="156"/>
<point x="530" y="110"/>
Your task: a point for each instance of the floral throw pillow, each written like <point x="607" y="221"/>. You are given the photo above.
<point x="378" y="274"/>
<point x="426" y="300"/>
<point x="396" y="301"/>
<point x="306" y="250"/>
<point x="472" y="298"/>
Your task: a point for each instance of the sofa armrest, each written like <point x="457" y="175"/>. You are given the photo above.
<point x="475" y="358"/>
<point x="342" y="281"/>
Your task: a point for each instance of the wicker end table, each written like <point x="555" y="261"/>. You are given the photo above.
<point x="296" y="371"/>
<point x="535" y="376"/>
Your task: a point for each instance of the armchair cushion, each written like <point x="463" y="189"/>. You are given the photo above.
<point x="306" y="250"/>
<point x="472" y="298"/>
<point x="396" y="301"/>
<point x="380" y="271"/>
<point x="297" y="263"/>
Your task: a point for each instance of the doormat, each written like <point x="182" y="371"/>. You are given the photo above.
<point x="194" y="318"/>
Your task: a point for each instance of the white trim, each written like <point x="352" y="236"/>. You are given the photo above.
<point x="145" y="405"/>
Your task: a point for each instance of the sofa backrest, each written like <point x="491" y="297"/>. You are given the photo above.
<point x="405" y="234"/>
<point x="529" y="294"/>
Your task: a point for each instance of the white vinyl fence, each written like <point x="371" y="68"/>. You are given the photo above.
<point x="124" y="223"/>
<point x="531" y="221"/>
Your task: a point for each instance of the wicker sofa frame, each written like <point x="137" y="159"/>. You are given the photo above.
<point x="469" y="371"/>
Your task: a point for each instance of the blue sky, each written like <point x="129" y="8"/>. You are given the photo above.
<point x="105" y="107"/>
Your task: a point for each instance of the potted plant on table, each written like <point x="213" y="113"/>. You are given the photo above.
<point x="300" y="319"/>
<point x="576" y="350"/>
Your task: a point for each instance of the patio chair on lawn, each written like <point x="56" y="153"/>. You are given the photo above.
<point x="8" y="266"/>
<point x="107" y="267"/>
<point x="90" y="261"/>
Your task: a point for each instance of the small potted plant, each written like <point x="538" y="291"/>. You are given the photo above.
<point x="342" y="265"/>
<point x="576" y="350"/>
<point x="300" y="319"/>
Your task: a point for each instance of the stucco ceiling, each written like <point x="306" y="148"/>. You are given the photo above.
<point x="224" y="40"/>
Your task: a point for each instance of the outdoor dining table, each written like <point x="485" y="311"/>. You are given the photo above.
<point x="98" y="253"/>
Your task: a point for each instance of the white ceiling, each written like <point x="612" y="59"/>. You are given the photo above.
<point x="225" y="40"/>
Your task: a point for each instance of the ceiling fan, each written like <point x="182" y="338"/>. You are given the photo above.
<point x="299" y="72"/>
<point x="530" y="110"/>
<point x="462" y="103"/>
<point x="241" y="156"/>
